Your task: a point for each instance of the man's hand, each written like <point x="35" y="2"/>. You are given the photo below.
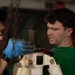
<point x="17" y="47"/>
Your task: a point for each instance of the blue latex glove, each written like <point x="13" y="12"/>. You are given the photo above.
<point x="17" y="47"/>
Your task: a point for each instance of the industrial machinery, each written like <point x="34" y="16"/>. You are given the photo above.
<point x="32" y="64"/>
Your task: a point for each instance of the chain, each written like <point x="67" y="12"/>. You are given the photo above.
<point x="9" y="15"/>
<point x="8" y="20"/>
<point x="16" y="15"/>
<point x="15" y="25"/>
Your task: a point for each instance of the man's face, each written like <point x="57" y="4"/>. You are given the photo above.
<point x="2" y="28"/>
<point x="57" y="34"/>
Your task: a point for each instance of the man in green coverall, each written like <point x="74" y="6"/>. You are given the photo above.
<point x="60" y="30"/>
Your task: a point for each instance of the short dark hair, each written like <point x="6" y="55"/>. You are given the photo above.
<point x="3" y="15"/>
<point x="63" y="15"/>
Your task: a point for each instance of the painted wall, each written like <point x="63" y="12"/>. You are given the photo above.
<point x="35" y="4"/>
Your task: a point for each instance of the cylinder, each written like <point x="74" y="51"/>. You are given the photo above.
<point x="37" y="71"/>
<point x="55" y="70"/>
<point x="21" y="70"/>
<point x="32" y="36"/>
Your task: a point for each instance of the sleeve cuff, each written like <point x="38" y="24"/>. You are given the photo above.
<point x="4" y="57"/>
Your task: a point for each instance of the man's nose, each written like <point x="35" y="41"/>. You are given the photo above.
<point x="49" y="32"/>
<point x="1" y="37"/>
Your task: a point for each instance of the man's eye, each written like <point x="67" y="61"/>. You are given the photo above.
<point x="2" y="32"/>
<point x="55" y="29"/>
<point x="48" y="28"/>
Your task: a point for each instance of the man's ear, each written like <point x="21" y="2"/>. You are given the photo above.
<point x="69" y="31"/>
